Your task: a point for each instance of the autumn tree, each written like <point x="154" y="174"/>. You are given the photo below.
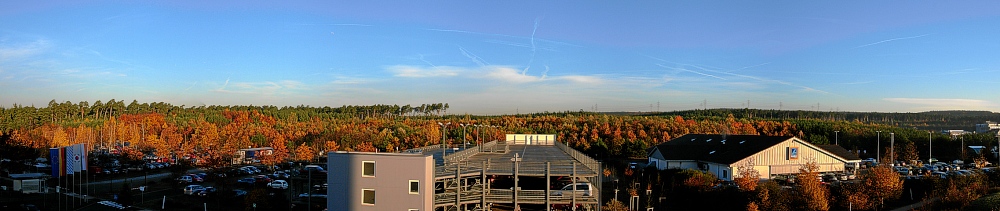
<point x="304" y="153"/>
<point x="812" y="193"/>
<point x="881" y="183"/>
<point x="908" y="152"/>
<point x="748" y="176"/>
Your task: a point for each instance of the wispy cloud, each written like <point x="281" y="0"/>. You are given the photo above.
<point x="890" y="40"/>
<point x="22" y="50"/>
<point x="417" y="72"/>
<point x="494" y="72"/>
<point x="944" y="103"/>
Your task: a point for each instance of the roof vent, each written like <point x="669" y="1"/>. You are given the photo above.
<point x="712" y="152"/>
<point x="709" y="140"/>
<point x="741" y="142"/>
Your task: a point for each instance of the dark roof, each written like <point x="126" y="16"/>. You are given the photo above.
<point x="717" y="148"/>
<point x="839" y="151"/>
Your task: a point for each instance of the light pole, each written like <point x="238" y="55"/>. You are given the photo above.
<point x="930" y="148"/>
<point x="892" y="148"/>
<point x="836" y="135"/>
<point x="878" y="146"/>
<point x="465" y="143"/>
<point x="444" y="133"/>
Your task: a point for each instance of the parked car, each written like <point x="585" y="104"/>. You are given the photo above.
<point x="278" y="184"/>
<point x="185" y="179"/>
<point x="585" y="189"/>
<point x="196" y="178"/>
<point x="193" y="189"/>
<point x="263" y="178"/>
<point x="247" y="181"/>
<point x="281" y="175"/>
<point x="239" y="192"/>
<point x="206" y="191"/>
<point x="314" y="194"/>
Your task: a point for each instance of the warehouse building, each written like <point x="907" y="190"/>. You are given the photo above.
<point x="770" y="155"/>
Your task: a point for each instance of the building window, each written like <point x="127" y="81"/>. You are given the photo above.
<point x="725" y="174"/>
<point x="412" y="209"/>
<point x="368" y="169"/>
<point x="368" y="196"/>
<point x="414" y="187"/>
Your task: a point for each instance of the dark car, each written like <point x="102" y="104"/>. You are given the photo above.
<point x="207" y="191"/>
<point x="247" y="181"/>
<point x="239" y="193"/>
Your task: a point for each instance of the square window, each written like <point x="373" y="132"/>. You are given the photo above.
<point x="368" y="169"/>
<point x="414" y="187"/>
<point x="368" y="196"/>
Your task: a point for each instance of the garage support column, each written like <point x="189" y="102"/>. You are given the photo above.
<point x="458" y="188"/>
<point x="573" y="205"/>
<point x="482" y="176"/>
<point x="514" y="189"/>
<point x="548" y="185"/>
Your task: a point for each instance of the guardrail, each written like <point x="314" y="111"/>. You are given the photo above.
<point x="582" y="158"/>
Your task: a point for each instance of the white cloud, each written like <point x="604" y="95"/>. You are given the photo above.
<point x="582" y="79"/>
<point x="945" y="104"/>
<point x="420" y="72"/>
<point x="497" y="72"/>
<point x="509" y="74"/>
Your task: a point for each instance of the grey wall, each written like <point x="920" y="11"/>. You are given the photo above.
<point x="391" y="182"/>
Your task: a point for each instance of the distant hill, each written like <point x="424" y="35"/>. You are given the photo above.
<point x="929" y="120"/>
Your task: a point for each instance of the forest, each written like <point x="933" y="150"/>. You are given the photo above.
<point x="212" y="133"/>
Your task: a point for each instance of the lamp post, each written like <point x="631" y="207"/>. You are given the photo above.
<point x="878" y="146"/>
<point x="465" y="143"/>
<point x="836" y="135"/>
<point x="930" y="148"/>
<point x="892" y="147"/>
<point x="444" y="133"/>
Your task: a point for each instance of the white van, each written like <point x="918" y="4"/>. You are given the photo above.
<point x="585" y="189"/>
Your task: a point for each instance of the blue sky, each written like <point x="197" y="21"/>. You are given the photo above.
<point x="507" y="56"/>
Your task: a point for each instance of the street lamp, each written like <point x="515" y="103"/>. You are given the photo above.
<point x="930" y="148"/>
<point x="465" y="143"/>
<point x="878" y="146"/>
<point x="444" y="133"/>
<point x="892" y="148"/>
<point x="836" y="135"/>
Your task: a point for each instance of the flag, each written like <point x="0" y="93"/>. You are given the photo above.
<point x="74" y="158"/>
<point x="84" y="152"/>
<point x="62" y="161"/>
<point x="70" y="154"/>
<point x="54" y="158"/>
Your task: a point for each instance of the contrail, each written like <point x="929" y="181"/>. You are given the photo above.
<point x="425" y="61"/>
<point x="533" y="49"/>
<point x="890" y="40"/>
<point x="695" y="72"/>
<point x="472" y="56"/>
<point x="546" y="72"/>
<point x="225" y="84"/>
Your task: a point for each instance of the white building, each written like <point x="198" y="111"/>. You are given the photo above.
<point x="771" y="155"/>
<point x="987" y="127"/>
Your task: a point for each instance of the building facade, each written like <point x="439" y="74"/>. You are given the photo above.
<point x="769" y="155"/>
<point x="360" y="181"/>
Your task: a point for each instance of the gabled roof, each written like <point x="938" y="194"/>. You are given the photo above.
<point x="717" y="148"/>
<point x="840" y="151"/>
